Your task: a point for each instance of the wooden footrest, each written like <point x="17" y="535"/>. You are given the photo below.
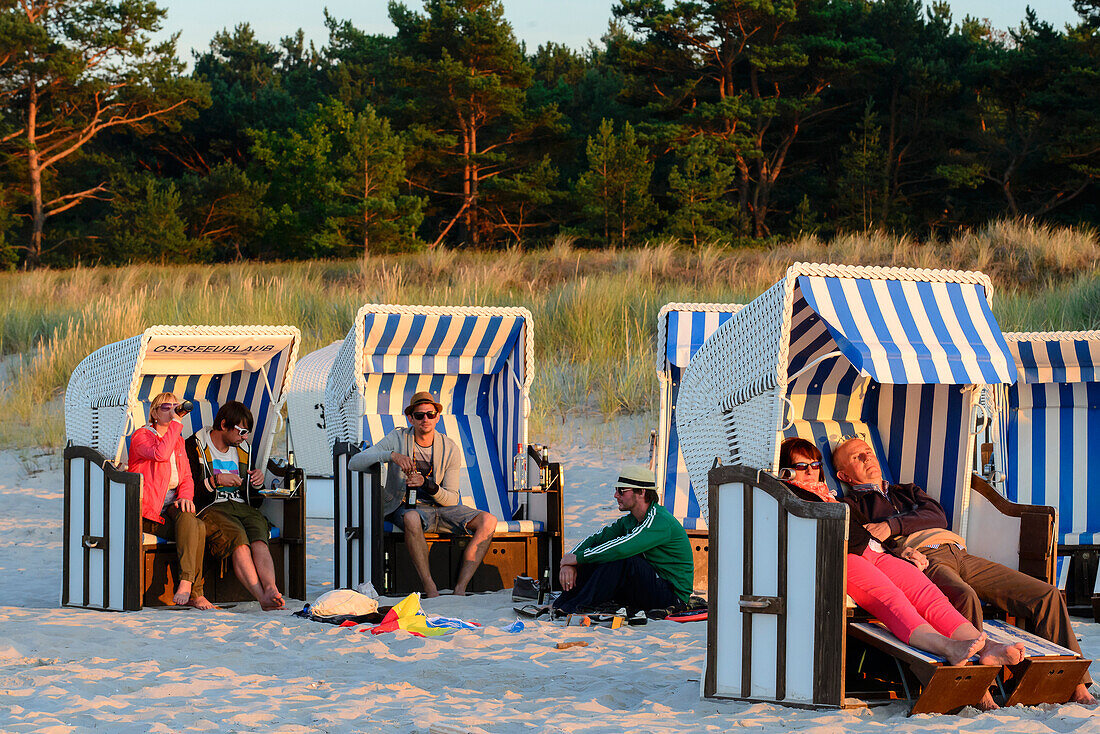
<point x="944" y="688"/>
<point x="1048" y="674"/>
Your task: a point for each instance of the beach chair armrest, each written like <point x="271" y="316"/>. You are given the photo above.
<point x="1017" y="535"/>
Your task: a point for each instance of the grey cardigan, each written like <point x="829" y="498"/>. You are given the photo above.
<point x="446" y="467"/>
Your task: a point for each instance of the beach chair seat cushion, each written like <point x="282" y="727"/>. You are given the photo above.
<point x="149" y="540"/>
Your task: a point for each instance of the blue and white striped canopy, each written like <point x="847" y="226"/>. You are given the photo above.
<point x="438" y="344"/>
<point x="687" y="331"/>
<point x="1048" y="427"/>
<point x="1057" y="360"/>
<point x="683" y="328"/>
<point x="912" y="332"/>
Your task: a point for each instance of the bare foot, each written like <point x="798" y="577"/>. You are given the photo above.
<point x="183" y="594"/>
<point x="1082" y="696"/>
<point x="430" y="592"/>
<point x="200" y="602"/>
<point x="987" y="703"/>
<point x="996" y="654"/>
<point x="960" y="651"/>
<point x="272" y="600"/>
<point x="459" y="592"/>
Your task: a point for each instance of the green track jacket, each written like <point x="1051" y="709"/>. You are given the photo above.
<point x="659" y="538"/>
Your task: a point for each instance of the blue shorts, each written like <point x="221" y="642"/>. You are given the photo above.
<point x="438" y="519"/>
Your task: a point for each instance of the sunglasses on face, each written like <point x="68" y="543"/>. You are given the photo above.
<point x="429" y="414"/>
<point x="166" y="406"/>
<point x="242" y="431"/>
<point x="620" y="491"/>
<point x="804" y="465"/>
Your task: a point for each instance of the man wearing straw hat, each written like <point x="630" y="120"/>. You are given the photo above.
<point x="421" y="492"/>
<point x="641" y="561"/>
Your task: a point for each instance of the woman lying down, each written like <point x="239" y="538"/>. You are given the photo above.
<point x="893" y="587"/>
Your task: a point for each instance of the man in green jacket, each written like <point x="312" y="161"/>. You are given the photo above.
<point x="641" y="561"/>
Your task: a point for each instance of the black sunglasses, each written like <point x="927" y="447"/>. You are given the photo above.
<point x="429" y="414"/>
<point x="803" y="465"/>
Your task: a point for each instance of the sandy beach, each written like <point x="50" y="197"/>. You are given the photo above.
<point x="239" y="669"/>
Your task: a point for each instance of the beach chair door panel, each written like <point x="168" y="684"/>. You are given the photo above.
<point x="777" y="604"/>
<point x="102" y="534"/>
<point x="357" y="522"/>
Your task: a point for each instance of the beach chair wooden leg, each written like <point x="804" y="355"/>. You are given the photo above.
<point x="1043" y="680"/>
<point x="948" y="688"/>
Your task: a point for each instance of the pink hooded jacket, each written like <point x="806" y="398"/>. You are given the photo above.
<point x="149" y="453"/>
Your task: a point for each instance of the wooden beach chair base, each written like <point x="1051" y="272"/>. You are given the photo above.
<point x="160" y="566"/>
<point x="945" y="689"/>
<point x="510" y="555"/>
<point x="700" y="549"/>
<point x="1048" y="674"/>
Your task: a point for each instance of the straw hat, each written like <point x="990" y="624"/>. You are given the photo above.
<point x="636" y="477"/>
<point x="419" y="399"/>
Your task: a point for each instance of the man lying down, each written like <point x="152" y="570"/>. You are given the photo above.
<point x="907" y="517"/>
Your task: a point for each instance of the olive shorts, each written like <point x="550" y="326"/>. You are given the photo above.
<point x="230" y="525"/>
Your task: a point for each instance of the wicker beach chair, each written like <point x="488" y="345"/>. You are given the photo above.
<point x="682" y="328"/>
<point x="305" y="406"/>
<point x="1045" y="427"/>
<point x="478" y="361"/>
<point x="896" y="356"/>
<point x="108" y="563"/>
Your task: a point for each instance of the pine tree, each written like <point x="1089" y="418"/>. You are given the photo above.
<point x="614" y="192"/>
<point x="699" y="187"/>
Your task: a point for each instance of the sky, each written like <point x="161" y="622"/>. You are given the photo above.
<point x="572" y="22"/>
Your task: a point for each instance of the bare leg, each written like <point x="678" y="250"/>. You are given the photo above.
<point x="265" y="569"/>
<point x="484" y="525"/>
<point x="245" y="569"/>
<point x="418" y="551"/>
<point x="1082" y="696"/>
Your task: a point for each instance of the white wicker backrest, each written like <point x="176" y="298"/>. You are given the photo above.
<point x="305" y="406"/>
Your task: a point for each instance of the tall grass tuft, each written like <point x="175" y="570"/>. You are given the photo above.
<point x="595" y="310"/>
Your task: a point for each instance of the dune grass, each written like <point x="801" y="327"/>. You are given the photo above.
<point x="595" y="310"/>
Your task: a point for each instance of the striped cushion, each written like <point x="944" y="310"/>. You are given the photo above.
<point x="503" y="526"/>
<point x="1034" y="646"/>
<point x="148" y="539"/>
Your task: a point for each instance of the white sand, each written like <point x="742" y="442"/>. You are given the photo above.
<point x="240" y="669"/>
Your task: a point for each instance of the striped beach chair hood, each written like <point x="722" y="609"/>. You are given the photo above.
<point x="889" y="354"/>
<point x="476" y="360"/>
<point x="1047" y="425"/>
<point x="110" y="391"/>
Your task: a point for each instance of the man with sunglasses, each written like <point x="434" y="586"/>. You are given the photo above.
<point x="422" y="494"/>
<point x="235" y="528"/>
<point x="641" y="561"/>
<point x="908" y="518"/>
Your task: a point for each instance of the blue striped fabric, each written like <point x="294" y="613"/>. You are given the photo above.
<point x="412" y="343"/>
<point x="685" y="332"/>
<point x="210" y="392"/>
<point x="909" y="332"/>
<point x="1049" y="428"/>
<point x="859" y="364"/>
<point x="475" y="365"/>
<point x="1034" y="646"/>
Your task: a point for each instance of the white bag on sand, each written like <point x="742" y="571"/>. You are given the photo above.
<point x="367" y="589"/>
<point x="343" y="602"/>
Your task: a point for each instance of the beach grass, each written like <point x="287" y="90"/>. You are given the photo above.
<point x="595" y="310"/>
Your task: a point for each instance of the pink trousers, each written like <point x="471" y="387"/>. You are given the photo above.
<point x="899" y="595"/>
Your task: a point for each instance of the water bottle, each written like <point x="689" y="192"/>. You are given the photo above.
<point x="519" y="469"/>
<point x="291" y="479"/>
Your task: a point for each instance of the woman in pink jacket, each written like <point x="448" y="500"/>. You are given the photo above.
<point x="168" y="494"/>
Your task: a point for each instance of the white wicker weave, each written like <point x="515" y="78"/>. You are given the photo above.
<point x="305" y="404"/>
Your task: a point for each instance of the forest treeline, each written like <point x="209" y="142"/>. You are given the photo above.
<point x="710" y="121"/>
